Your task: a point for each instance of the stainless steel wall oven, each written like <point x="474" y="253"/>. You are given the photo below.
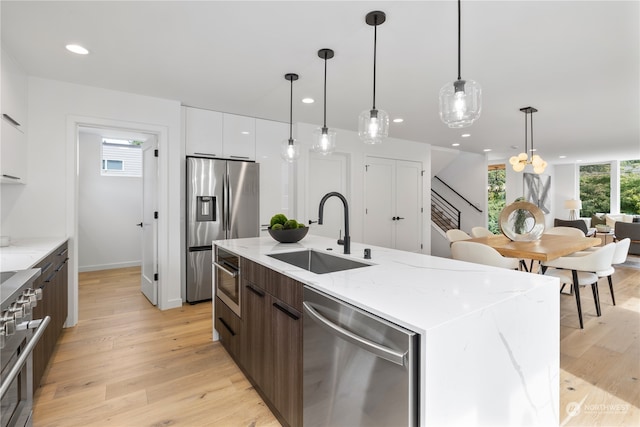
<point x="17" y="341"/>
<point x="227" y="278"/>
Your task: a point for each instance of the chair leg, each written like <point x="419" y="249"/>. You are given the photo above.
<point x="596" y="297"/>
<point x="523" y="265"/>
<point x="613" y="298"/>
<point x="576" y="289"/>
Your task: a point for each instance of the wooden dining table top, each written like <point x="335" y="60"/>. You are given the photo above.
<point x="549" y="246"/>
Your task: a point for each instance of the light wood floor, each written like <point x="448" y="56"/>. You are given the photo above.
<point x="128" y="364"/>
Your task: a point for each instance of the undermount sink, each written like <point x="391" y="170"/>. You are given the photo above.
<point x="318" y="262"/>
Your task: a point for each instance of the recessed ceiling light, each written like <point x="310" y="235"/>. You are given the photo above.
<point x="578" y="161"/>
<point x="466" y="135"/>
<point x="398" y="120"/>
<point x="562" y="157"/>
<point x="308" y="100"/>
<point x="455" y="144"/>
<point x="244" y="132"/>
<point x="486" y="150"/>
<point x="76" y="48"/>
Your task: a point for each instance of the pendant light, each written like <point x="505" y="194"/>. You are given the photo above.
<point x="460" y="101"/>
<point x="324" y="139"/>
<point x="519" y="162"/>
<point x="290" y="150"/>
<point x="373" y="124"/>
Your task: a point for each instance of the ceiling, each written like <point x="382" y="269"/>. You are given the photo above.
<point x="577" y="62"/>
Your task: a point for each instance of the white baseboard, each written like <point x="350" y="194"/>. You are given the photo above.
<point x="111" y="266"/>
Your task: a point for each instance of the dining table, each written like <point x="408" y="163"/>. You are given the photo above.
<point x="547" y="248"/>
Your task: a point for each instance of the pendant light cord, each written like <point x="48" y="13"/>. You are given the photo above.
<point x="375" y="45"/>
<point x="525" y="134"/>
<point x="532" y="150"/>
<point x="459" y="74"/>
<point x="325" y="91"/>
<point x="291" y="115"/>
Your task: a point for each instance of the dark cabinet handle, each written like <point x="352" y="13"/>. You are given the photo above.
<point x="45" y="268"/>
<point x="256" y="291"/>
<point x="63" y="252"/>
<point x="11" y="119"/>
<point x="286" y="311"/>
<point x="139" y="224"/>
<point x="233" y="334"/>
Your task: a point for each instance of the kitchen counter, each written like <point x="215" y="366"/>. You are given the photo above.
<point x="489" y="342"/>
<point x="24" y="253"/>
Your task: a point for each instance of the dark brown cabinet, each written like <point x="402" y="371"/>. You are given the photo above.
<point x="271" y="339"/>
<point x="228" y="326"/>
<point x="53" y="281"/>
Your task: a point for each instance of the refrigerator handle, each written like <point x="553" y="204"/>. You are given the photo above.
<point x="228" y="209"/>
<point x="224" y="204"/>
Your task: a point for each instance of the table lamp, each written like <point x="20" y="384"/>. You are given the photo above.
<point x="573" y="205"/>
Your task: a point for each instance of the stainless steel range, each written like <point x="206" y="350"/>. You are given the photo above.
<point x="17" y="341"/>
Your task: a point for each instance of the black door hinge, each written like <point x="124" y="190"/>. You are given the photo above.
<point x="155" y="277"/>
<point x="155" y="153"/>
<point x="155" y="215"/>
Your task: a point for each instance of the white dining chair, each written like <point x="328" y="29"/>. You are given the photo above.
<point x="481" y="232"/>
<point x="619" y="256"/>
<point x="581" y="271"/>
<point x="565" y="231"/>
<point x="455" y="235"/>
<point x="481" y="254"/>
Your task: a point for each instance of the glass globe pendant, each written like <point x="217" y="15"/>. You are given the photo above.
<point x="324" y="139"/>
<point x="290" y="150"/>
<point x="460" y="101"/>
<point x="373" y="124"/>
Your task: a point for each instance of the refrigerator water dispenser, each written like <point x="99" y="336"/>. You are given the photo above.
<point x="206" y="208"/>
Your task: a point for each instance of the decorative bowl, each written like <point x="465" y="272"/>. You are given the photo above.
<point x="522" y="222"/>
<point x="289" y="236"/>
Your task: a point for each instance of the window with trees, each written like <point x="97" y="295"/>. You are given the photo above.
<point x="630" y="187"/>
<point x="497" y="195"/>
<point x="595" y="189"/>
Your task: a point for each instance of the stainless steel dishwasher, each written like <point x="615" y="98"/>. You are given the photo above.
<point x="358" y="369"/>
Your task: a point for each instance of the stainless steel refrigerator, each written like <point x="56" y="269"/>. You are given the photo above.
<point x="223" y="198"/>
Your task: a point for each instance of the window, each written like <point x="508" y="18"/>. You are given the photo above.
<point x="112" y="165"/>
<point x="497" y="196"/>
<point x="630" y="187"/>
<point x="595" y="189"/>
<point x="121" y="157"/>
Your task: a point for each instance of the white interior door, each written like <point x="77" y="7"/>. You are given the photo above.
<point x="327" y="174"/>
<point x="408" y="222"/>
<point x="393" y="204"/>
<point x="379" y="202"/>
<point x="149" y="282"/>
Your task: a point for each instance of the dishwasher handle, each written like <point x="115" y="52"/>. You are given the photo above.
<point x="372" y="347"/>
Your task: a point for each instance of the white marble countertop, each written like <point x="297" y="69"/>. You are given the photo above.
<point x="417" y="291"/>
<point x="25" y="253"/>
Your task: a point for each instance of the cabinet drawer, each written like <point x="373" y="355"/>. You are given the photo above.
<point x="228" y="326"/>
<point x="280" y="286"/>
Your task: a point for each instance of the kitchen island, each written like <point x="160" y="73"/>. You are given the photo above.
<point x="489" y="338"/>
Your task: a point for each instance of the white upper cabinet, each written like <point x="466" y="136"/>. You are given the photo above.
<point x="203" y="132"/>
<point x="14" y="123"/>
<point x="214" y="134"/>
<point x="239" y="137"/>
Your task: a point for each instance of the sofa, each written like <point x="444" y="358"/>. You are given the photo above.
<point x="630" y="230"/>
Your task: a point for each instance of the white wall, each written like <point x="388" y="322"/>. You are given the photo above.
<point x="109" y="207"/>
<point x="348" y="142"/>
<point x="46" y="206"/>
<point x="467" y="174"/>
<point x="566" y="187"/>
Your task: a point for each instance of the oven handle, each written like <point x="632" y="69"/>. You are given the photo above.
<point x="233" y="274"/>
<point x="41" y="325"/>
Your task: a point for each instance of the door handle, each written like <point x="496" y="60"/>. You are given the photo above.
<point x="397" y="218"/>
<point x="139" y="225"/>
